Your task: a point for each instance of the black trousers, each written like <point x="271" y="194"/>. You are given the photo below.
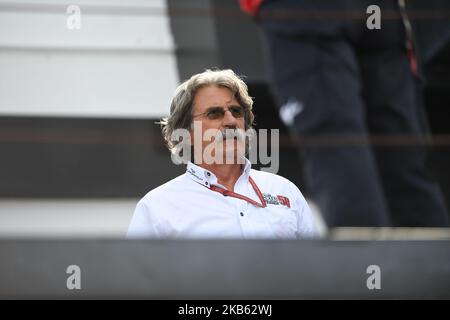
<point x="350" y="94"/>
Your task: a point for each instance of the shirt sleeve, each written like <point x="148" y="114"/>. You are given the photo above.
<point x="143" y="224"/>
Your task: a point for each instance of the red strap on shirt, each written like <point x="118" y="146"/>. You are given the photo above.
<point x="240" y="196"/>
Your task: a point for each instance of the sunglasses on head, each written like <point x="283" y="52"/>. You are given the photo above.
<point x="215" y="113"/>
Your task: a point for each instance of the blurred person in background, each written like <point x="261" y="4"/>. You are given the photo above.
<point x="341" y="86"/>
<point x="223" y="198"/>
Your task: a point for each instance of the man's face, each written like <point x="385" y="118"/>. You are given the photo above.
<point x="209" y="103"/>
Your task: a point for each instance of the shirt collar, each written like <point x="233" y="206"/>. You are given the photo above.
<point x="207" y="178"/>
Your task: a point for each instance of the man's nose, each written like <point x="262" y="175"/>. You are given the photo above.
<point x="229" y="119"/>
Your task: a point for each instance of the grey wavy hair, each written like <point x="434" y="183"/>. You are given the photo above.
<point x="181" y="107"/>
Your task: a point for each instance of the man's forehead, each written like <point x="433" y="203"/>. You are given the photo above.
<point x="216" y="96"/>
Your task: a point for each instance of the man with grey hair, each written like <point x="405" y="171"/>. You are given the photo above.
<point x="219" y="196"/>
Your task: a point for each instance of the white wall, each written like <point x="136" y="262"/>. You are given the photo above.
<point x="65" y="218"/>
<point x="120" y="63"/>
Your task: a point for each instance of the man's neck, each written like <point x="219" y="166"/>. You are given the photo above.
<point x="227" y="174"/>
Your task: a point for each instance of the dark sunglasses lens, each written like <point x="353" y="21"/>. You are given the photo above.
<point x="215" y="113"/>
<point x="237" y="112"/>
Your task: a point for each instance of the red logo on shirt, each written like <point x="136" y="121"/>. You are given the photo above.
<point x="284" y="201"/>
<point x="270" y="199"/>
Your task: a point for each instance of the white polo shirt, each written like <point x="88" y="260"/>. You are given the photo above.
<point x="186" y="208"/>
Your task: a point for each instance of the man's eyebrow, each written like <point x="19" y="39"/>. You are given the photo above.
<point x="215" y="107"/>
<point x="232" y="105"/>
